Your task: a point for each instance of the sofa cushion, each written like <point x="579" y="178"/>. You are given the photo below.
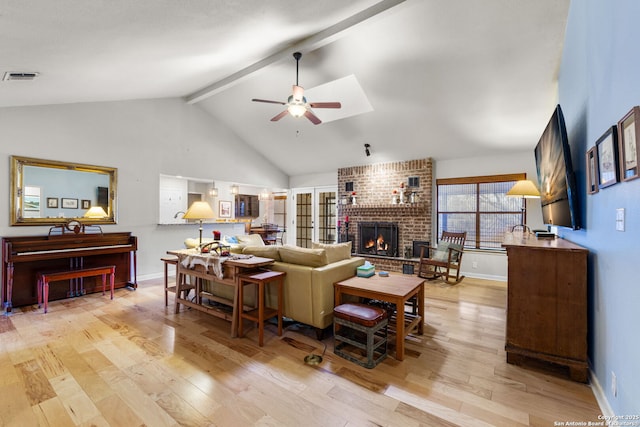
<point x="303" y="256"/>
<point x="250" y="240"/>
<point x="335" y="251"/>
<point x="265" y="251"/>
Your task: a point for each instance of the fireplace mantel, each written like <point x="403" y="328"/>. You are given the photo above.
<point x="406" y="209"/>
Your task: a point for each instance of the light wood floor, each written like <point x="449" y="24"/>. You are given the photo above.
<point x="130" y="362"/>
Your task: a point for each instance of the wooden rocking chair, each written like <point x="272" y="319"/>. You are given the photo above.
<point x="445" y="259"/>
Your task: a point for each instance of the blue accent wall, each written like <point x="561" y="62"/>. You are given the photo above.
<point x="599" y="83"/>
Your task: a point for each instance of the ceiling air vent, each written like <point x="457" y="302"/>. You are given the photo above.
<point x="10" y="75"/>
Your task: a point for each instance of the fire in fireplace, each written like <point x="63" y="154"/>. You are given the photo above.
<point x="378" y="238"/>
<point x="379" y="243"/>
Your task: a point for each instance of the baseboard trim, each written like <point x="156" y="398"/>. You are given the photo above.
<point x="601" y="398"/>
<point x="484" y="276"/>
<point x="151" y="276"/>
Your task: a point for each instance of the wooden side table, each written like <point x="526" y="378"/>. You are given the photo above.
<point x="169" y="261"/>
<point x="261" y="312"/>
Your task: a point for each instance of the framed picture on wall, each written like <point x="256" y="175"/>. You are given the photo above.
<point x="69" y="203"/>
<point x="607" y="147"/>
<point x="31" y="202"/>
<point x="628" y="133"/>
<point x="86" y="204"/>
<point x="224" y="209"/>
<point x="592" y="171"/>
<point x="31" y="199"/>
<point x="52" y="202"/>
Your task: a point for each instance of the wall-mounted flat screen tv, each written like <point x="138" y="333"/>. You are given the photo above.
<point x="558" y="191"/>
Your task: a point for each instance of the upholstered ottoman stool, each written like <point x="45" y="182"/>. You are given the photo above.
<point x="362" y="327"/>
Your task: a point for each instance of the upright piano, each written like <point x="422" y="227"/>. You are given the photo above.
<point x="24" y="256"/>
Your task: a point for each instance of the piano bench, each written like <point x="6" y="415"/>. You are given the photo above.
<point x="45" y="277"/>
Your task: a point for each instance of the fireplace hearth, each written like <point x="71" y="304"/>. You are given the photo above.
<point x="378" y="238"/>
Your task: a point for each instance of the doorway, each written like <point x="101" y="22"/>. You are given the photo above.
<point x="315" y="215"/>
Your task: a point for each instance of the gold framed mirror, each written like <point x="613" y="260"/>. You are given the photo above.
<point x="50" y="192"/>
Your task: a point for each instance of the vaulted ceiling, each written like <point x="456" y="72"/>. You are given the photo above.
<point x="444" y="78"/>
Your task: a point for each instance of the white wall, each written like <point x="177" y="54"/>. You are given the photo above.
<point x="598" y="85"/>
<point x="143" y="139"/>
<point x="314" y="180"/>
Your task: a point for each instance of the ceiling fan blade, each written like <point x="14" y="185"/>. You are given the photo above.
<point x="325" y="105"/>
<point x="279" y="116"/>
<point x="314" y="119"/>
<point x="269" y="102"/>
<point x="298" y="92"/>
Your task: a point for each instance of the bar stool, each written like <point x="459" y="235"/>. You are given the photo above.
<point x="260" y="313"/>
<point x="169" y="261"/>
<point x="363" y="327"/>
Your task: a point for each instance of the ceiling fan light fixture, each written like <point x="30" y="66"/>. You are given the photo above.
<point x="297" y="105"/>
<point x="297" y="110"/>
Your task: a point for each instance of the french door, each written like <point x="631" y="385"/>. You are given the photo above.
<point x="315" y="215"/>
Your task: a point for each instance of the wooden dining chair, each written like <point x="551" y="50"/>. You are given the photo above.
<point x="270" y="233"/>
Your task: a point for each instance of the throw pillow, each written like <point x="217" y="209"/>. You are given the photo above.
<point x="455" y="255"/>
<point x="303" y="256"/>
<point x="442" y="252"/>
<point x="250" y="239"/>
<point x="267" y="251"/>
<point x="335" y="252"/>
<point x="190" y="243"/>
<point x="231" y="239"/>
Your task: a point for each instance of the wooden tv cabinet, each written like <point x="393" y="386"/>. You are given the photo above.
<point x="547" y="303"/>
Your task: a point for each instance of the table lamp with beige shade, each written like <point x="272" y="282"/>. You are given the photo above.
<point x="199" y="210"/>
<point x="527" y="190"/>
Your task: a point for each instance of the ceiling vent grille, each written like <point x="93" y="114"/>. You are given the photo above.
<point x="11" y="75"/>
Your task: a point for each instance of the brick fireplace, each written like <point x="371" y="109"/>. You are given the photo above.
<point x="374" y="185"/>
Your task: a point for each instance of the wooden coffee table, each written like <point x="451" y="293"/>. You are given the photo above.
<point x="396" y="289"/>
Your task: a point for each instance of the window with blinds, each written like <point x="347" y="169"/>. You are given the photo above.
<point x="478" y="205"/>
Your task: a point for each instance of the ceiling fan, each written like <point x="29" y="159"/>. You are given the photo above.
<point x="297" y="104"/>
